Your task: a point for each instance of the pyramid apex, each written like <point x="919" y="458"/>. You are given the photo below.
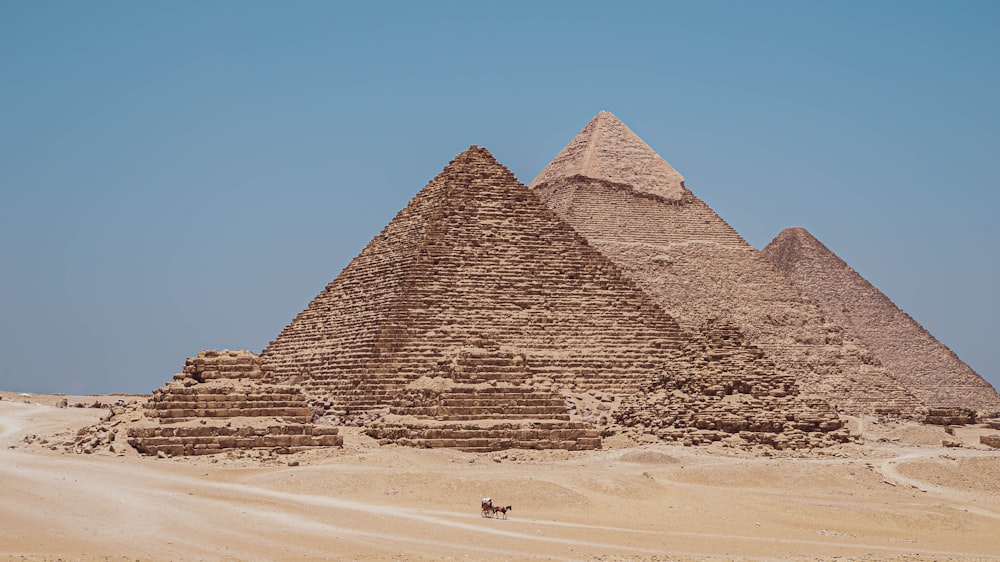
<point x="796" y="231"/>
<point x="795" y="235"/>
<point x="476" y="150"/>
<point x="474" y="155"/>
<point x="606" y="149"/>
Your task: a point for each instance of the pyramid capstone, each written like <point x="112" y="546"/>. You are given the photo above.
<point x="932" y="371"/>
<point x="697" y="267"/>
<point x="607" y="149"/>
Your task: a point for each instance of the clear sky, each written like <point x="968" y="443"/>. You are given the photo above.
<point x="177" y="176"/>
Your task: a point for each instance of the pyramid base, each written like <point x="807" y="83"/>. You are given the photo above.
<point x="486" y="436"/>
<point x="209" y="440"/>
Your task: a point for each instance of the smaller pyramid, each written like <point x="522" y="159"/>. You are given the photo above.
<point x="928" y="368"/>
<point x="222" y="402"/>
<point x="606" y="149"/>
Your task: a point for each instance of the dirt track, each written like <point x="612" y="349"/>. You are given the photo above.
<point x="885" y="500"/>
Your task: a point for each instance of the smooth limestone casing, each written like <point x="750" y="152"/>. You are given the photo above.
<point x="932" y="371"/>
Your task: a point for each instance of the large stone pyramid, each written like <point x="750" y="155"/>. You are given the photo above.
<point x="474" y="269"/>
<point x="478" y="319"/>
<point x="923" y="364"/>
<point x="633" y="206"/>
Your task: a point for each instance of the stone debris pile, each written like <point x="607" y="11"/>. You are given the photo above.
<point x="110" y="435"/>
<point x="739" y="397"/>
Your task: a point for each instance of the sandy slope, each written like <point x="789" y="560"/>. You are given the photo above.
<point x="890" y="499"/>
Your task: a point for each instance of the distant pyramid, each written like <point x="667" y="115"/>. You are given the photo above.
<point x="482" y="321"/>
<point x="633" y="206"/>
<point x="923" y="364"/>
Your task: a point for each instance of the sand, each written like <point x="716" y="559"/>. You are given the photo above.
<point x="899" y="496"/>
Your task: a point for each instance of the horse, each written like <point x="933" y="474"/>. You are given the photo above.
<point x="502" y="510"/>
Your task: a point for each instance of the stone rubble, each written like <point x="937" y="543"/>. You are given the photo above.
<point x="740" y="394"/>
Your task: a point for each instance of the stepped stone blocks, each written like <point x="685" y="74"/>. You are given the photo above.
<point x="484" y="405"/>
<point x="478" y="282"/>
<point x="474" y="262"/>
<point x="493" y="437"/>
<point x="696" y="267"/>
<point x="739" y="394"/>
<point x="923" y="364"/>
<point x="220" y="402"/>
<point x="469" y="315"/>
<point x="950" y="416"/>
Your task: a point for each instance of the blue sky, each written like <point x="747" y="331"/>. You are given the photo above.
<point x="177" y="176"/>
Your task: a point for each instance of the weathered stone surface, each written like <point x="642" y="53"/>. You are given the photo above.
<point x="739" y="393"/>
<point x="482" y="438"/>
<point x="950" y="416"/>
<point x="478" y="304"/>
<point x="474" y="281"/>
<point x="934" y="373"/>
<point x="474" y="275"/>
<point x="220" y="403"/>
<point x="990" y="440"/>
<point x="697" y="268"/>
<point x="608" y="150"/>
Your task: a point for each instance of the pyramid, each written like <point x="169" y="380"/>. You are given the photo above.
<point x="478" y="319"/>
<point x="924" y="365"/>
<point x="220" y="402"/>
<point x="474" y="272"/>
<point x="693" y="264"/>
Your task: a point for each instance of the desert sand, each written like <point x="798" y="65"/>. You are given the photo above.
<point x="898" y="495"/>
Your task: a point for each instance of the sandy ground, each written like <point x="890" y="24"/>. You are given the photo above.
<point x="898" y="496"/>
